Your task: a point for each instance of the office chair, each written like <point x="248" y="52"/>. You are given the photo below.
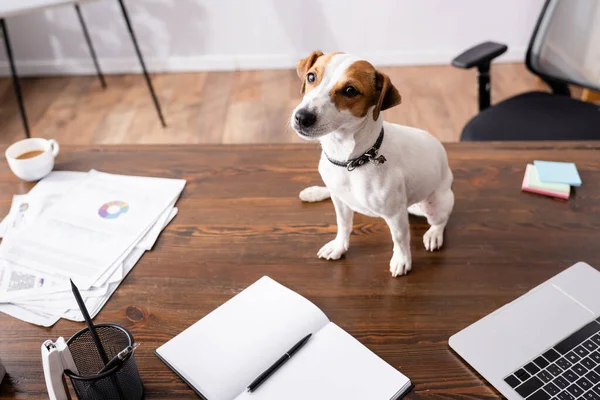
<point x="564" y="50"/>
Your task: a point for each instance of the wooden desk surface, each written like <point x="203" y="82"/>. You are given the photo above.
<point x="240" y="218"/>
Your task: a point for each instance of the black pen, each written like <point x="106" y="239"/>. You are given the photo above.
<point x="119" y="358"/>
<point x="90" y="324"/>
<point x="284" y="358"/>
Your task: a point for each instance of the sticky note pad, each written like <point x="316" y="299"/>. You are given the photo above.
<point x="536" y="183"/>
<point x="558" y="172"/>
<point x="532" y="183"/>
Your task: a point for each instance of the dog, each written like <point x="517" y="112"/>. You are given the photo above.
<point x="368" y="165"/>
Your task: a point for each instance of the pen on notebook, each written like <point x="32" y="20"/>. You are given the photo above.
<point x="119" y="358"/>
<point x="282" y="360"/>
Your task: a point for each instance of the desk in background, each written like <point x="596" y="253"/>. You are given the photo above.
<point x="240" y="218"/>
<point x="10" y="8"/>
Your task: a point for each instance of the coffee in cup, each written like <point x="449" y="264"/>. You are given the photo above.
<point x="32" y="159"/>
<point x="30" y="154"/>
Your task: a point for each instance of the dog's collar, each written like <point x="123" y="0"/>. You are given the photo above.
<point x="370" y="156"/>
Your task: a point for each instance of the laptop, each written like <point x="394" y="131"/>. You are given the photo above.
<point x="545" y="344"/>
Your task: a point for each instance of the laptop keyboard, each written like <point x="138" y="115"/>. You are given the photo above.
<point x="570" y="370"/>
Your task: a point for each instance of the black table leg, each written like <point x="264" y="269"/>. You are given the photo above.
<point x="90" y="46"/>
<point x="15" y="78"/>
<point x="139" y="54"/>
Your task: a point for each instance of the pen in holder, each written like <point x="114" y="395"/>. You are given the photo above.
<point x="99" y="360"/>
<point x="121" y="382"/>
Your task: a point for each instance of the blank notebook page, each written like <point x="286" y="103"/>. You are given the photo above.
<point x="332" y="365"/>
<point x="221" y="354"/>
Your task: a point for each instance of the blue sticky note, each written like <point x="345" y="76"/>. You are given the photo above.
<point x="558" y="172"/>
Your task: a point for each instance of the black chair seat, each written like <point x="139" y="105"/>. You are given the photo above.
<point x="536" y="116"/>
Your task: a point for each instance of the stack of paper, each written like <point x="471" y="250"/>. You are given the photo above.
<point x="552" y="179"/>
<point x="89" y="227"/>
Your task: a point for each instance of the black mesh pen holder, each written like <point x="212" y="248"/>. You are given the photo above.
<point x="121" y="382"/>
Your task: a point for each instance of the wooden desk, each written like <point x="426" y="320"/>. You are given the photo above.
<point x="240" y="218"/>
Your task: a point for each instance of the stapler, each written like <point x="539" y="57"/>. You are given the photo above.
<point x="56" y="359"/>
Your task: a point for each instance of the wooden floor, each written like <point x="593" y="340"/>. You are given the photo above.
<point x="232" y="107"/>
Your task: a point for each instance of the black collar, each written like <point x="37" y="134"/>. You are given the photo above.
<point x="369" y="156"/>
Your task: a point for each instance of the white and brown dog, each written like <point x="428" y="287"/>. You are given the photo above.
<point x="368" y="165"/>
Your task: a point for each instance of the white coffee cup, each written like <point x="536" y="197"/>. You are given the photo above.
<point x="34" y="168"/>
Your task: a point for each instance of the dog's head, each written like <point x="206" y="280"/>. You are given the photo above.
<point x="340" y="92"/>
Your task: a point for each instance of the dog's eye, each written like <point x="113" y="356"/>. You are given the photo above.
<point x="310" y="77"/>
<point x="349" y="91"/>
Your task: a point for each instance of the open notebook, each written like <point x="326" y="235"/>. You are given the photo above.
<point x="220" y="355"/>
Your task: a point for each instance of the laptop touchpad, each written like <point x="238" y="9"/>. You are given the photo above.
<point x="521" y="330"/>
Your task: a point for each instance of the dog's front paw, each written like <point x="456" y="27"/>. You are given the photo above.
<point x="333" y="250"/>
<point x="400" y="264"/>
<point x="434" y="238"/>
<point x="313" y="194"/>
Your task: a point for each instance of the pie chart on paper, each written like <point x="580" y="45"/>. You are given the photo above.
<point x="113" y="209"/>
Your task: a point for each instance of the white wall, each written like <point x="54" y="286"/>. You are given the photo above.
<point x="183" y="35"/>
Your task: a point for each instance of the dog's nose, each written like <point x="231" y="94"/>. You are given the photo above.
<point x="305" y="118"/>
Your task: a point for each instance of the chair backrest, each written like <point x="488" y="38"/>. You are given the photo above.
<point x="565" y="45"/>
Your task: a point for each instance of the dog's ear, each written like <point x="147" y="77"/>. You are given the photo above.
<point x="304" y="65"/>
<point x="387" y="93"/>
